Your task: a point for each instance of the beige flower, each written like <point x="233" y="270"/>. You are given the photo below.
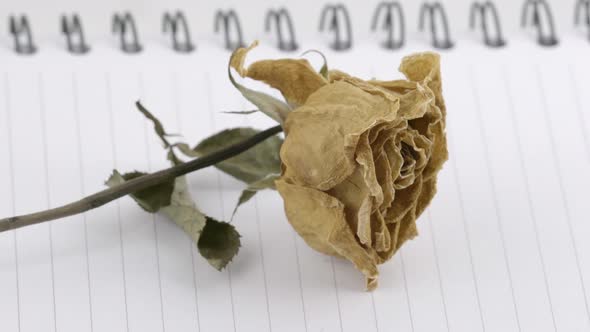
<point x="360" y="158"/>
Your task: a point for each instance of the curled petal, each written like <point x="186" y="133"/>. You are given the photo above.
<point x="422" y="67"/>
<point x="382" y="235"/>
<point x="364" y="157"/>
<point x="328" y="127"/>
<point x="363" y="230"/>
<point x="237" y="58"/>
<point x="385" y="180"/>
<point x="295" y="78"/>
<point x="426" y="195"/>
<point x="269" y="105"/>
<point x="354" y="194"/>
<point x="319" y="218"/>
<point x="404" y="200"/>
<point x="425" y="68"/>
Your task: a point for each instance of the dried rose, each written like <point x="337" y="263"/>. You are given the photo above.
<point x="360" y="158"/>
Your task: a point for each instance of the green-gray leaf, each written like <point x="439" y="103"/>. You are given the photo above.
<point x="183" y="210"/>
<point x="266" y="183"/>
<point x="241" y="112"/>
<point x="158" y="127"/>
<point x="249" y="166"/>
<point x="151" y="199"/>
<point x="219" y="243"/>
<point x="160" y="131"/>
<point x="267" y="104"/>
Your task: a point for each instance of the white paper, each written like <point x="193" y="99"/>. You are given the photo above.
<point x="503" y="247"/>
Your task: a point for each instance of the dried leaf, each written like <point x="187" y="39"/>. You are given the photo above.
<point x="266" y="183"/>
<point x="183" y="210"/>
<point x="241" y="112"/>
<point x="161" y="132"/>
<point x="269" y="105"/>
<point x="158" y="127"/>
<point x="219" y="243"/>
<point x="249" y="166"/>
<point x="246" y="195"/>
<point x="151" y="199"/>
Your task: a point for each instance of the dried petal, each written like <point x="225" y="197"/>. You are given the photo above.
<point x="269" y="105"/>
<point x="295" y="78"/>
<point x="329" y="232"/>
<point x="328" y="127"/>
<point x="360" y="160"/>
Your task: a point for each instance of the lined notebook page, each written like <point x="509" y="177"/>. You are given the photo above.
<point x="503" y="246"/>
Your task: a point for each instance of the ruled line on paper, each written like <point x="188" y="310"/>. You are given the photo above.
<point x="264" y="277"/>
<point x="82" y="188"/>
<point x="524" y="176"/>
<point x="492" y="183"/>
<point x="159" y="273"/>
<point x="411" y="316"/>
<point x="299" y="277"/>
<point x="42" y="114"/>
<point x="260" y="243"/>
<point x="582" y="120"/>
<point x="562" y="192"/>
<point x="209" y="88"/>
<point x="192" y="252"/>
<point x="437" y="265"/>
<point x="12" y="191"/>
<point x="154" y="217"/>
<point x="455" y="174"/>
<point x="175" y="93"/>
<point x="111" y="117"/>
<point x="261" y="251"/>
<point x="579" y="110"/>
<point x="374" y="307"/>
<point x="337" y="294"/>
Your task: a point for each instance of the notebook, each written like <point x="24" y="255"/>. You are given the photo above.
<point x="502" y="247"/>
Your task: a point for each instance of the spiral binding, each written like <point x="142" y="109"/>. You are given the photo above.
<point x="70" y="27"/>
<point x="432" y="9"/>
<point x="389" y="7"/>
<point x="582" y="7"/>
<point x="175" y="23"/>
<point x="225" y="19"/>
<point x="547" y="38"/>
<point x="20" y="29"/>
<point x="124" y="25"/>
<point x="482" y="9"/>
<point x="334" y="19"/>
<point x="339" y="44"/>
<point x="278" y="16"/>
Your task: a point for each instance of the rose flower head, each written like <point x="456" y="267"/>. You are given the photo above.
<point x="360" y="158"/>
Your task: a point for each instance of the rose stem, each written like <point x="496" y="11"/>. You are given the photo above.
<point x="102" y="197"/>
